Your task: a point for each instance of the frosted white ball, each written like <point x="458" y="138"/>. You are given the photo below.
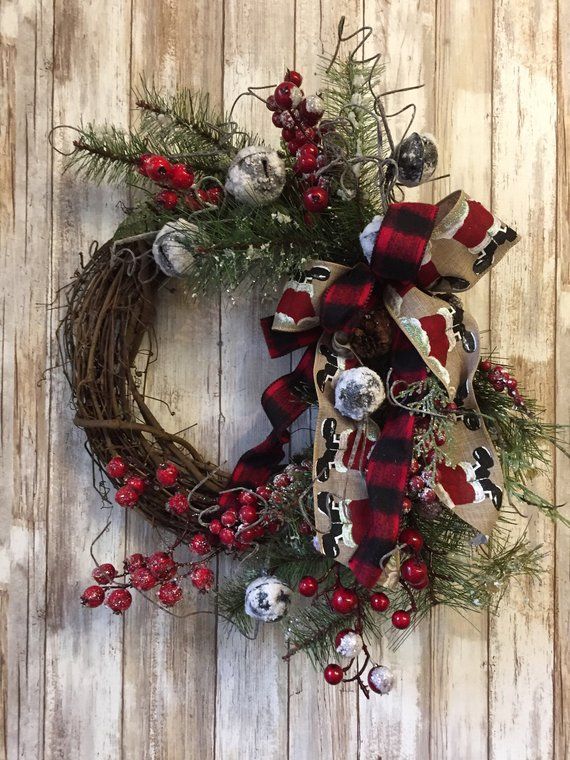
<point x="256" y="176"/>
<point x="349" y="644"/>
<point x="172" y="248"/>
<point x="368" y="236"/>
<point x="267" y="599"/>
<point x="358" y="393"/>
<point x="381" y="679"/>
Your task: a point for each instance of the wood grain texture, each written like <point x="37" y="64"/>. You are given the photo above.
<point x="156" y="687"/>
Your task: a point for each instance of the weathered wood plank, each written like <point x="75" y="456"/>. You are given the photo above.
<point x="176" y="706"/>
<point x="83" y="650"/>
<point x="523" y="309"/>
<point x="463" y="130"/>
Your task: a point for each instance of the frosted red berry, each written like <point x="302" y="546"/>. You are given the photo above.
<point x="137" y="483"/>
<point x="412" y="538"/>
<point x="308" y="586"/>
<point x="295" y="77"/>
<point x="277" y="120"/>
<point x="333" y="674"/>
<point x="168" y="199"/>
<point x="282" y="480"/>
<point x="379" y="602"/>
<point x="199" y="544"/>
<point x="181" y="177"/>
<point x="305" y="164"/>
<point x="170" y="593"/>
<point x="406" y="505"/>
<point x="416" y="483"/>
<point x="264" y="492"/>
<point x="248" y="514"/>
<point x="214" y="195"/>
<point x="119" y="600"/>
<point x="126" y="497"/>
<point x="142" y="579"/>
<point x="344" y="600"/>
<point x="246" y="497"/>
<point x="271" y="104"/>
<point x="104" y="574"/>
<point x="162" y="566"/>
<point x="116" y="467"/>
<point x="178" y="504"/>
<point x="306" y="148"/>
<point x="135" y="561"/>
<point x="143" y="161"/>
<point x="229" y="518"/>
<point x="287" y="95"/>
<point x="315" y="199"/>
<point x="93" y="596"/>
<point x="227" y="536"/>
<point x="167" y="474"/>
<point x="215" y="527"/>
<point x="401" y="619"/>
<point x="202" y="577"/>
<point x="158" y="168"/>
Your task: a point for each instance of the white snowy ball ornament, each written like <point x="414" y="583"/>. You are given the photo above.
<point x="381" y="679"/>
<point x="267" y="599"/>
<point x="171" y="248"/>
<point x="256" y="176"/>
<point x="348" y="643"/>
<point x="358" y="393"/>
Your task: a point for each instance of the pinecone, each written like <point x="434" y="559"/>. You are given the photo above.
<point x="373" y="335"/>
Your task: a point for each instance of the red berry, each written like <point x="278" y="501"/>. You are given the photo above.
<point x="288" y="135"/>
<point x="306" y="148"/>
<point x="451" y="407"/>
<point x="229" y="518"/>
<point x="248" y="514"/>
<point x="406" y="505"/>
<point x="178" y="504"/>
<point x="379" y="602"/>
<point x="294" y="76"/>
<point x="511" y="383"/>
<point x="440" y="437"/>
<point x="162" y="566"/>
<point x="401" y="619"/>
<point x="344" y="600"/>
<point x="181" y="177"/>
<point x="119" y="600"/>
<point x="293" y="147"/>
<point x="412" y="538"/>
<point x="277" y="120"/>
<point x="104" y="574"/>
<point x="143" y="160"/>
<point x="333" y="674"/>
<point x="305" y="528"/>
<point x="214" y="195"/>
<point x="137" y="483"/>
<point x="116" y="467"/>
<point x="414" y="571"/>
<point x="247" y="498"/>
<point x="158" y="168"/>
<point x="271" y="104"/>
<point x="427" y="496"/>
<point x="167" y="199"/>
<point x="305" y="164"/>
<point x="169" y="593"/>
<point x="199" y="544"/>
<point x="498" y="385"/>
<point x="282" y="481"/>
<point x="135" y="561"/>
<point x="93" y="596"/>
<point x="202" y="577"/>
<point x="311" y="110"/>
<point x="416" y="483"/>
<point x="287" y="95"/>
<point x="264" y="492"/>
<point x="246" y="536"/>
<point x="215" y="526"/>
<point x="415" y="466"/>
<point x="497" y="369"/>
<point x="485" y="365"/>
<point x="227" y="536"/>
<point x="167" y="474"/>
<point x="195" y="200"/>
<point x="142" y="579"/>
<point x="315" y="199"/>
<point x="308" y="586"/>
<point x="126" y="497"/>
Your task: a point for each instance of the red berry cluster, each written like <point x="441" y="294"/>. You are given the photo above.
<point x="178" y="183"/>
<point x="501" y="380"/>
<point x="419" y="490"/>
<point x="297" y="116"/>
<point x="135" y="484"/>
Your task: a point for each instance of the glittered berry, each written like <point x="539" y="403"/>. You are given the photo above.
<point x="119" y="600"/>
<point x="181" y="178"/>
<point x="277" y="120"/>
<point x="167" y="199"/>
<point x="288" y="135"/>
<point x="295" y="77"/>
<point x="287" y="95"/>
<point x="498" y="384"/>
<point x="135" y="561"/>
<point x="104" y="574"/>
<point x="178" y="504"/>
<point x="428" y="496"/>
<point x="415" y="466"/>
<point x="116" y="467"/>
<point x="440" y="437"/>
<point x="170" y="593"/>
<point x="343" y="600"/>
<point x="271" y="104"/>
<point x="401" y="619"/>
<point x="215" y="526"/>
<point x="406" y="505"/>
<point x="412" y="538"/>
<point x="214" y="195"/>
<point x="248" y="514"/>
<point x="416" y="483"/>
<point x="199" y="544"/>
<point x="142" y="579"/>
<point x="311" y="109"/>
<point x="333" y="674"/>
<point x="485" y="365"/>
<point x="158" y="168"/>
<point x="93" y="596"/>
<point x="511" y="383"/>
<point x="315" y="199"/>
<point x="247" y="498"/>
<point x="227" y="536"/>
<point x="282" y="480"/>
<point x="162" y="566"/>
<point x="229" y="518"/>
<point x="143" y="161"/>
<point x="308" y="586"/>
<point x="414" y="572"/>
<point x="167" y="474"/>
<point x="264" y="492"/>
<point x="379" y="602"/>
<point x="137" y="483"/>
<point x="202" y="577"/>
<point x="126" y="497"/>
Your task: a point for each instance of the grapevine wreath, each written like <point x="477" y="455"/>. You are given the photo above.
<point x="422" y="449"/>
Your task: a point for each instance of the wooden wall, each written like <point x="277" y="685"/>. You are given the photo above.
<point x="88" y="685"/>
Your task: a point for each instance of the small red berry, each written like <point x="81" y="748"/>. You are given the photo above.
<point x="104" y="574"/>
<point x="199" y="544"/>
<point x="116" y="467"/>
<point x="248" y="514"/>
<point x="308" y="586"/>
<point x="305" y="528"/>
<point x="178" y="504"/>
<point x="288" y="135"/>
<point x="143" y="160"/>
<point x="142" y="579"/>
<point x="498" y="385"/>
<point x="406" y="505"/>
<point x="214" y="195"/>
<point x="227" y="536"/>
<point x="168" y="199"/>
<point x="401" y="619"/>
<point x="126" y="497"/>
<point x="344" y="600"/>
<point x="93" y="596"/>
<point x="215" y="526"/>
<point x="135" y="561"/>
<point x="202" y="577"/>
<point x="416" y="483"/>
<point x="181" y="177"/>
<point x="282" y="481"/>
<point x="246" y="536"/>
<point x="379" y="602"/>
<point x="287" y="95"/>
<point x="246" y="498"/>
<point x="229" y="518"/>
<point x="511" y="383"/>
<point x="415" y="466"/>
<point x="315" y="199"/>
<point x="137" y="483"/>
<point x="333" y="674"/>
<point x="162" y="566"/>
<point x="412" y="538"/>
<point x="293" y="147"/>
<point x="277" y="120"/>
<point x="119" y="600"/>
<point x="306" y="148"/>
<point x="170" y="593"/>
<point x="305" y="164"/>
<point x="167" y="474"/>
<point x="485" y="365"/>
<point x="295" y="77"/>
<point x="427" y="496"/>
<point x="158" y="168"/>
<point x="440" y="438"/>
<point x="271" y="104"/>
<point x="414" y="571"/>
<point x="264" y="492"/>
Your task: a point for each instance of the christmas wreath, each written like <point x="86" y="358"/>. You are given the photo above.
<point x="422" y="449"/>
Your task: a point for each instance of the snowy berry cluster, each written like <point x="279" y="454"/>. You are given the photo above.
<point x="297" y="117"/>
<point x="178" y="184"/>
<point x="135" y="484"/>
<point x="501" y="380"/>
